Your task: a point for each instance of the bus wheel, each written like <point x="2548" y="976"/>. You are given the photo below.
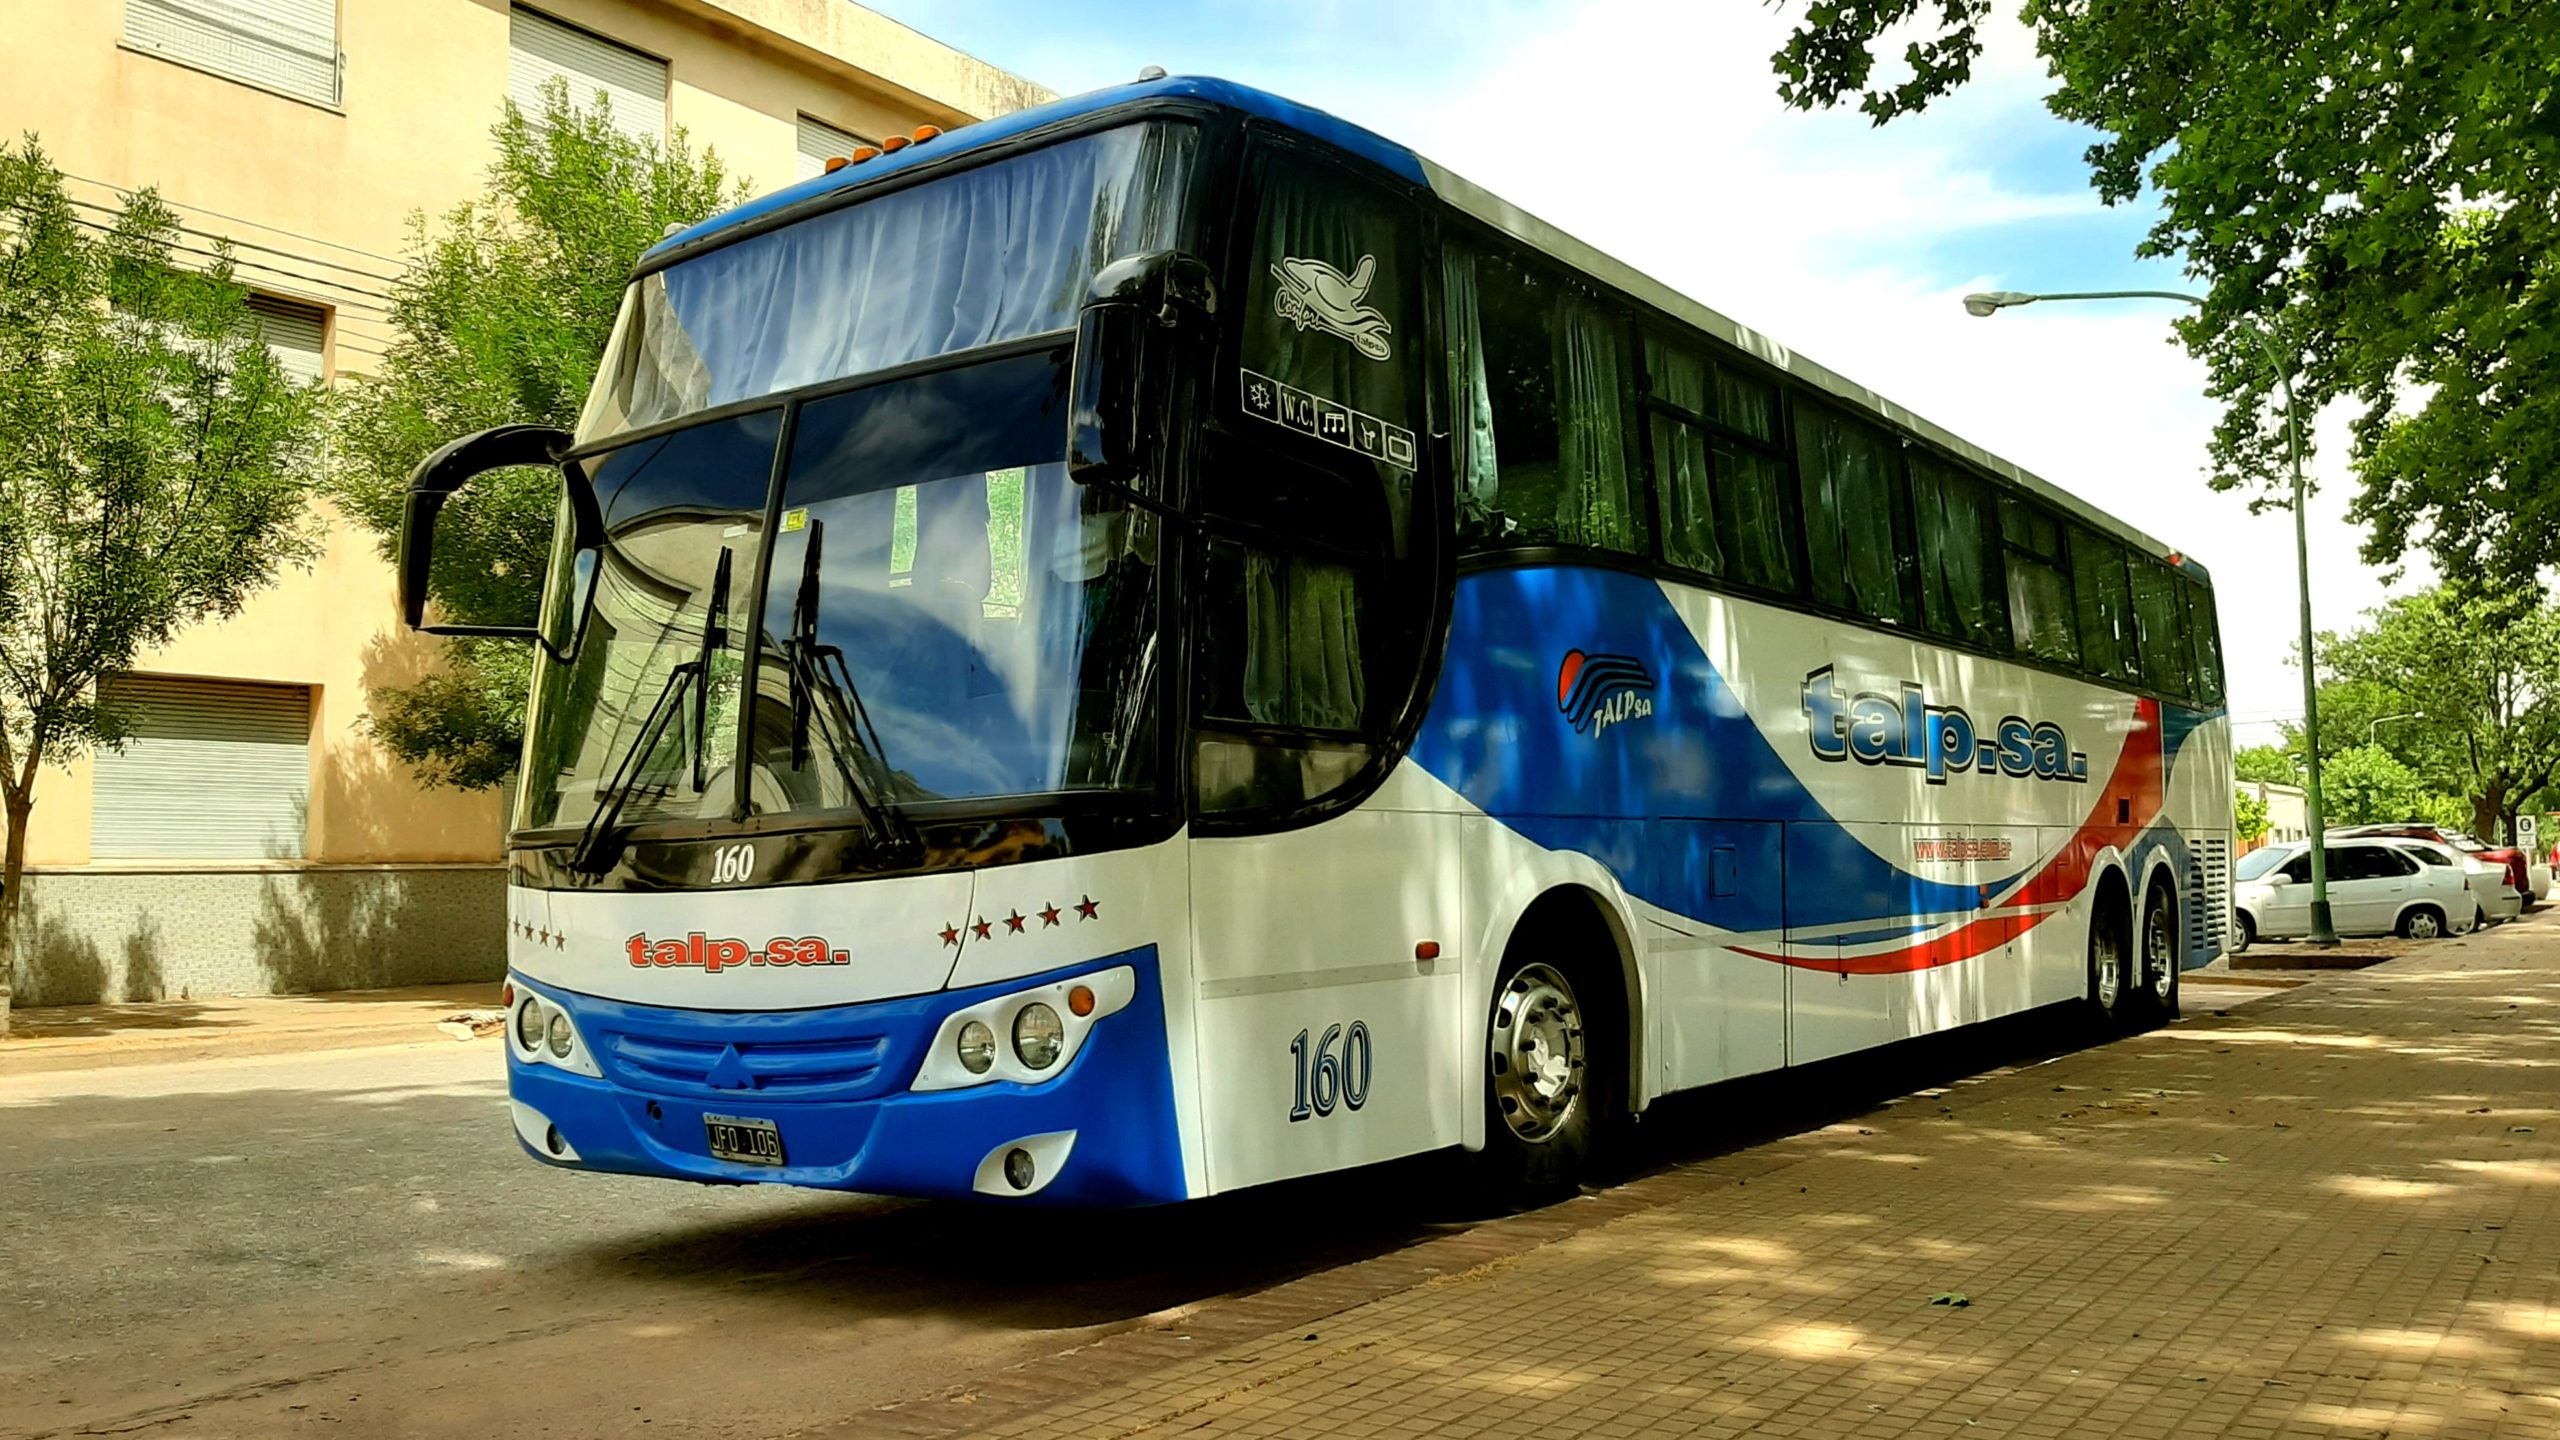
<point x="2158" y="1002"/>
<point x="2108" y="970"/>
<point x="1547" y="1092"/>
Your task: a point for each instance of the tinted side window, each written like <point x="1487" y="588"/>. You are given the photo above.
<point x="1961" y="584"/>
<point x="2204" y="641"/>
<point x="1856" y="521"/>
<point x="2298" y="870"/>
<point x="2040" y="611"/>
<point x="1542" y="370"/>
<point x="2160" y="628"/>
<point x="1719" y="480"/>
<point x="2105" y="605"/>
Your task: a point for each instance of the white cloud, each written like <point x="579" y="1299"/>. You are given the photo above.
<point x="1659" y="139"/>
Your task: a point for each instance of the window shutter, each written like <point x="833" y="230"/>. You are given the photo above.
<point x="287" y="45"/>
<point x="296" y="333"/>
<point x="541" y="49"/>
<point x="821" y="142"/>
<point x="214" y="770"/>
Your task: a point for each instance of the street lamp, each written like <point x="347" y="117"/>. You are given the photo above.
<point x="2371" y="731"/>
<point x="1992" y="301"/>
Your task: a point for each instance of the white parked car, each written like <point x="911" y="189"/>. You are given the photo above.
<point x="2491" y="892"/>
<point x="2376" y="887"/>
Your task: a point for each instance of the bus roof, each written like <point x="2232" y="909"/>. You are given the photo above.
<point x="1460" y="194"/>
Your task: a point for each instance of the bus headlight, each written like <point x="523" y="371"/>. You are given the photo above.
<point x="977" y="1048"/>
<point x="529" y="1024"/>
<point x="561" y="1035"/>
<point x="1038" y="1035"/>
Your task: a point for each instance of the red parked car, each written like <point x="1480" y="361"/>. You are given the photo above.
<point x="2519" y="872"/>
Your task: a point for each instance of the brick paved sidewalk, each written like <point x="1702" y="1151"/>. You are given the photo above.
<point x="2332" y="1212"/>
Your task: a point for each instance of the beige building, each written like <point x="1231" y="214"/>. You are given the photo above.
<point x="251" y="837"/>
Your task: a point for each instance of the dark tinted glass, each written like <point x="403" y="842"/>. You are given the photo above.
<point x="1960" y="574"/>
<point x="2106" y="607"/>
<point x="2040" y="611"/>
<point x="1855" y="519"/>
<point x="2160" y="628"/>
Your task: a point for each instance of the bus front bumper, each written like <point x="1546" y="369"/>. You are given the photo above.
<point x="848" y="1093"/>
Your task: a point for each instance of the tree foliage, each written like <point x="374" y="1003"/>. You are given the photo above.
<point x="2248" y="816"/>
<point x="2484" y="670"/>
<point x="2374" y="182"/>
<point x="151" y="465"/>
<point x="501" y="317"/>
<point x="2270" y="764"/>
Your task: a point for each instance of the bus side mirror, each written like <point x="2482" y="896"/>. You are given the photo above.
<point x="445" y="472"/>
<point x="1128" y="367"/>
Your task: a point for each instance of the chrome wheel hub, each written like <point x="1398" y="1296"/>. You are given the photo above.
<point x="2110" y="952"/>
<point x="2159" y="953"/>
<point x="2422" y="926"/>
<point x="1537" y="1053"/>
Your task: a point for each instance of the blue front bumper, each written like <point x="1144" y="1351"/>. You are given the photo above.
<point x="835" y="1081"/>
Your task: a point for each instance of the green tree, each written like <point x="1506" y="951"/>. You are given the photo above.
<point x="501" y="317"/>
<point x="2484" y="669"/>
<point x="2363" y="784"/>
<point x="2268" y="764"/>
<point x="2375" y="181"/>
<point x="2248" y="816"/>
<point x="150" y="470"/>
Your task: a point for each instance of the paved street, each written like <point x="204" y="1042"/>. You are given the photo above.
<point x="350" y="1243"/>
<point x="2331" y="1211"/>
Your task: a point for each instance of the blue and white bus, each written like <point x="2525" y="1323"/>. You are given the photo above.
<point x="1163" y="643"/>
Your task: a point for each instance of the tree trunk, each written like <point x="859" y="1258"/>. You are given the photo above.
<point x="2488" y="809"/>
<point x="13" y="866"/>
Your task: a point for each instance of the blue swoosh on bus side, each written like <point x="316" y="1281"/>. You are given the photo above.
<point x="1873" y="728"/>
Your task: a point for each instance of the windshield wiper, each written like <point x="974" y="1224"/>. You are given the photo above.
<point x="894" y="834"/>
<point x="594" y="855"/>
<point x="597" y="848"/>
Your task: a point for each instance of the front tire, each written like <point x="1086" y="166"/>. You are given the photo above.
<point x="2421" y="922"/>
<point x="2244" y="932"/>
<point x="1552" y="1093"/>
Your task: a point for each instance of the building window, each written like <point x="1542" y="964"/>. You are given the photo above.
<point x="213" y="770"/>
<point x="821" y="142"/>
<point x="285" y="45"/>
<point x="634" y="86"/>
<point x="298" y="334"/>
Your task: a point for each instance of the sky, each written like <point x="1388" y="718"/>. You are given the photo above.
<point x="1651" y="129"/>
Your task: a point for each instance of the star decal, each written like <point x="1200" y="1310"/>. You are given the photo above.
<point x="1048" y="916"/>
<point x="951" y="936"/>
<point x="1013" y="923"/>
<point x="984" y="930"/>
<point x="544" y="937"/>
<point x="1088" y="908"/>
<point x="560" y="941"/>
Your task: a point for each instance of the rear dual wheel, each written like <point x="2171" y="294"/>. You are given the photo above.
<point x="2133" y="970"/>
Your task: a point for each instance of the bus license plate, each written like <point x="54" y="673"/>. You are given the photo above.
<point x="749" y="1142"/>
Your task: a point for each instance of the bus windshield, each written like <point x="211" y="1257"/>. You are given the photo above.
<point x="996" y="252"/>
<point x="946" y="615"/>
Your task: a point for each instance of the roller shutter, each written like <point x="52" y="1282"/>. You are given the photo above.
<point x="819" y="143"/>
<point x="287" y="45"/>
<point x="214" y="770"/>
<point x="541" y="49"/>
<point x="298" y="335"/>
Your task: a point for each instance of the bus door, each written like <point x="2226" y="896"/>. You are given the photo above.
<point x="1325" y="1035"/>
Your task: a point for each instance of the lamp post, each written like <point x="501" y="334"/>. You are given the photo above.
<point x="2373" y="731"/>
<point x="1992" y="302"/>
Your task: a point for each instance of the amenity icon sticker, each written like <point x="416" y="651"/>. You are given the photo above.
<point x="1327" y="420"/>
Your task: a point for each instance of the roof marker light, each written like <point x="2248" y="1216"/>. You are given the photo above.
<point x="926" y="132"/>
<point x="895" y="143"/>
<point x="836" y="163"/>
<point x="865" y="152"/>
